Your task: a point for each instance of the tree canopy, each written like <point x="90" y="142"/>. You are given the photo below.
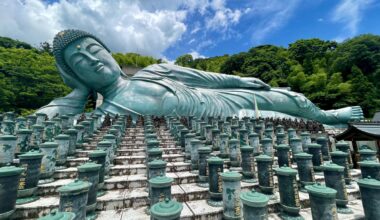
<point x="29" y="78"/>
<point x="330" y="74"/>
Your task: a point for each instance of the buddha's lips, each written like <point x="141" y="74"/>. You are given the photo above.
<point x="99" y="67"/>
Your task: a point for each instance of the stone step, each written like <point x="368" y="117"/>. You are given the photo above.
<point x="124" y="160"/>
<point x="138" y="180"/>
<point x="119" y="182"/>
<point x="131" y="145"/>
<point x="137" y="199"/>
<point x="131" y="169"/>
<point x="134" y="151"/>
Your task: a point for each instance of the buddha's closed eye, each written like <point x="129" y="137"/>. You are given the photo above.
<point x="94" y="48"/>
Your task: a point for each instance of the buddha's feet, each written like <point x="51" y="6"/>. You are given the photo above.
<point x="347" y="114"/>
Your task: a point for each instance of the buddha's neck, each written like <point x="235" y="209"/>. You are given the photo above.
<point x="112" y="89"/>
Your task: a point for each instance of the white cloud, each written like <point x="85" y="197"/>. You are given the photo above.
<point x="146" y="27"/>
<point x="224" y="17"/>
<point x="196" y="55"/>
<point x="122" y="25"/>
<point x="349" y="13"/>
<point x="272" y="15"/>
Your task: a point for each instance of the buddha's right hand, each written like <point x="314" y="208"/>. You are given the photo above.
<point x="251" y="82"/>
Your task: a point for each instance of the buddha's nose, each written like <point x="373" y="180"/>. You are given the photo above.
<point x="93" y="60"/>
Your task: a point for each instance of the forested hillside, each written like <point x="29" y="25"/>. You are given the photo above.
<point x="29" y="78"/>
<point x="332" y="75"/>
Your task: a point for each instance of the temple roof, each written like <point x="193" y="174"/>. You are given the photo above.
<point x="361" y="131"/>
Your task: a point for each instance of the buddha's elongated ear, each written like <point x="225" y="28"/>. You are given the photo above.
<point x="72" y="81"/>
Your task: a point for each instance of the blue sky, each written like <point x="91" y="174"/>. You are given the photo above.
<point x="204" y="28"/>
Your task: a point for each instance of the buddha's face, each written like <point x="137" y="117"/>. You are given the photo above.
<point x="92" y="63"/>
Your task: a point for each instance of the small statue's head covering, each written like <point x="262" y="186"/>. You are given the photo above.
<point x="65" y="38"/>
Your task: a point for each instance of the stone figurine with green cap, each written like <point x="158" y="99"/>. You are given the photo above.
<point x="73" y="198"/>
<point x="8" y="127"/>
<point x="49" y="150"/>
<point x="322" y="202"/>
<point x="340" y="158"/>
<point x="280" y="138"/>
<point x="215" y="168"/>
<point x="30" y="121"/>
<point x="41" y="117"/>
<point x="317" y="159"/>
<point x="325" y="147"/>
<point x="90" y="172"/>
<point x="295" y="144"/>
<point x="334" y="178"/>
<point x="23" y="140"/>
<point x="188" y="138"/>
<point x="235" y="156"/>
<point x="289" y="196"/>
<point x="99" y="156"/>
<point x="73" y="133"/>
<point x="370" y="195"/>
<point x="156" y="168"/>
<point x="7" y="148"/>
<point x="80" y="135"/>
<point x="27" y="187"/>
<point x="267" y="146"/>
<point x="37" y="135"/>
<point x="107" y="147"/>
<point x="255" y="205"/>
<point x="248" y="164"/>
<point x="9" y="182"/>
<point x="195" y="145"/>
<point x="223" y="146"/>
<point x="243" y="136"/>
<point x="291" y="134"/>
<point x="265" y="174"/>
<point x="231" y="195"/>
<point x="370" y="168"/>
<point x="166" y="210"/>
<point x="345" y="147"/>
<point x="215" y="139"/>
<point x="368" y="154"/>
<point x="204" y="153"/>
<point x="254" y="141"/>
<point x="283" y="155"/>
<point x="306" y="140"/>
<point x="159" y="189"/>
<point x="63" y="141"/>
<point x="49" y="132"/>
<point x="305" y="169"/>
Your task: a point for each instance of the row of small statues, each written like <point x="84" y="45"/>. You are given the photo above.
<point x="326" y="200"/>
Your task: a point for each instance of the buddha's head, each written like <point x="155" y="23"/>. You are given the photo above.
<point x="84" y="60"/>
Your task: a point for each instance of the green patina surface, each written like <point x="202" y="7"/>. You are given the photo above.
<point x="86" y="65"/>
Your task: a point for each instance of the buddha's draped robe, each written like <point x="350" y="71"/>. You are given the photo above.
<point x="204" y="94"/>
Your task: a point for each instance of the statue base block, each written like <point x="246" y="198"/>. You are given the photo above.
<point x="100" y="193"/>
<point x="214" y="203"/>
<point x="286" y="216"/>
<point x="44" y="181"/>
<point x="344" y="210"/>
<point x="25" y="200"/>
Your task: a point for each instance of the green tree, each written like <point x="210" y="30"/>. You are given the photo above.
<point x="184" y="60"/>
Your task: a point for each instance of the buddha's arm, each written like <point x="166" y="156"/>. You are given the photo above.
<point x="198" y="78"/>
<point x="72" y="103"/>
